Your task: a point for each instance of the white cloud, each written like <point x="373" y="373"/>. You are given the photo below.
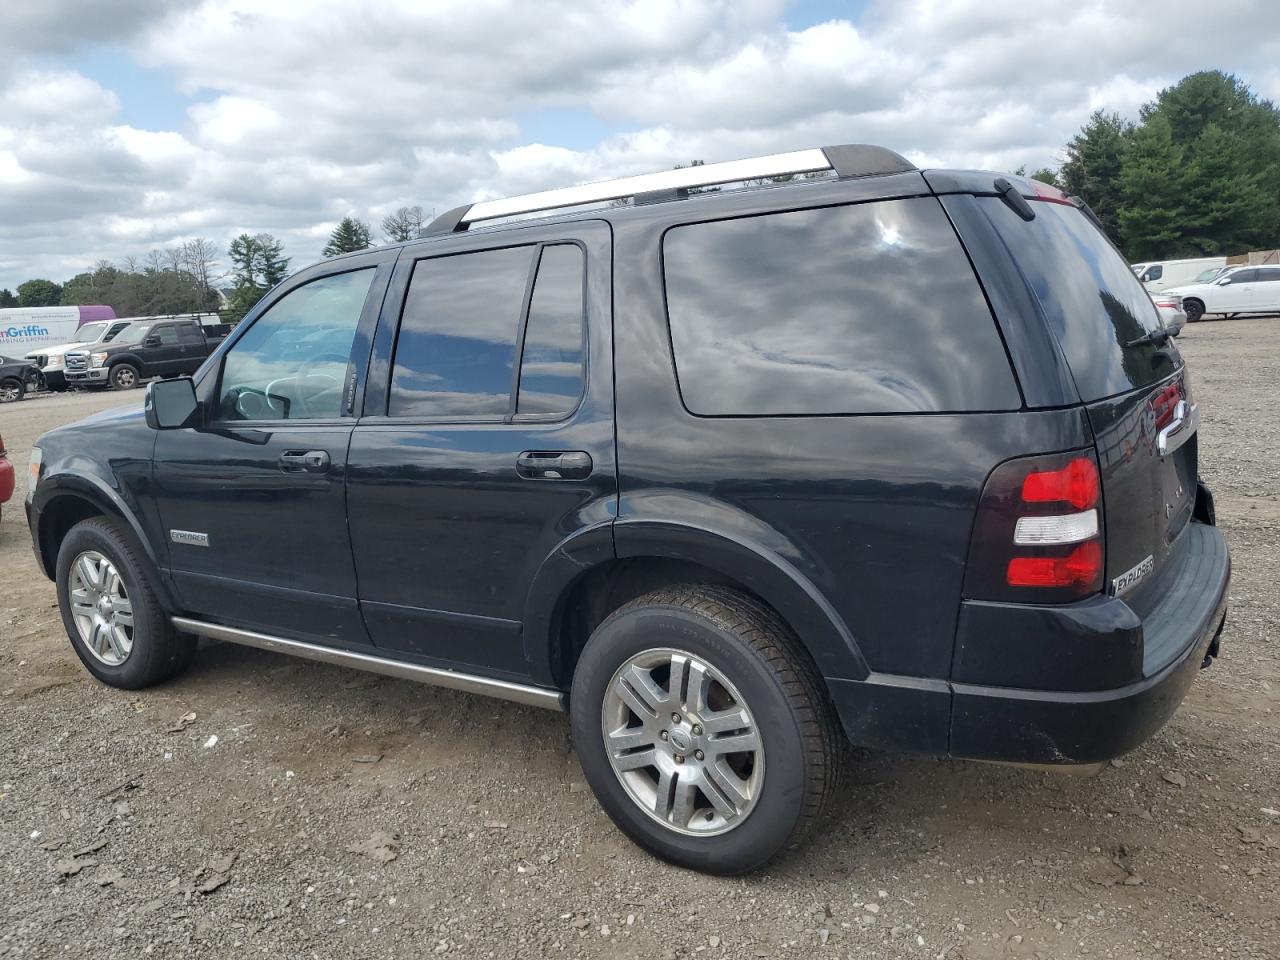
<point x="307" y="111"/>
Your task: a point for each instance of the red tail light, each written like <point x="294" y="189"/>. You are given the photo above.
<point x="1076" y="484"/>
<point x="1081" y="567"/>
<point x="1037" y="537"/>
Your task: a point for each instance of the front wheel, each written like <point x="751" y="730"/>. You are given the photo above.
<point x="111" y="609"/>
<point x="704" y="729"/>
<point x="1194" y="310"/>
<point x="12" y="390"/>
<point x="124" y="376"/>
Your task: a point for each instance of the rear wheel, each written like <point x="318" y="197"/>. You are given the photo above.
<point x="1194" y="309"/>
<point x="111" y="609"/>
<point x="124" y="376"/>
<point x="11" y="390"/>
<point x="704" y="729"/>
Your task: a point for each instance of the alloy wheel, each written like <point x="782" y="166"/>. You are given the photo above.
<point x="101" y="608"/>
<point x="10" y="391"/>
<point x="682" y="741"/>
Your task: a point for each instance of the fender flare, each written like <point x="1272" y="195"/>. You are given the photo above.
<point x="758" y="567"/>
<point x="96" y="493"/>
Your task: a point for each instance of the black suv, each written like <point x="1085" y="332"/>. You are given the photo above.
<point x="904" y="455"/>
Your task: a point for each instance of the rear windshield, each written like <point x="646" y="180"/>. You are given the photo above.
<point x="1092" y="301"/>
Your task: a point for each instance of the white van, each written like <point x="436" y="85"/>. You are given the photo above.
<point x="25" y="329"/>
<point x="1162" y="274"/>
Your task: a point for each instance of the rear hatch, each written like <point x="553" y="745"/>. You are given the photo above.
<point x="1135" y="390"/>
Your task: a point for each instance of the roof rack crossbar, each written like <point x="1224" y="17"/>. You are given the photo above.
<point x="851" y="160"/>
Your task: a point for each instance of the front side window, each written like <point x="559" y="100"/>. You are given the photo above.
<point x="167" y="336"/>
<point x="1155" y="273"/>
<point x="870" y="308"/>
<point x="455" y="352"/>
<point x="292" y="363"/>
<point x="551" y="364"/>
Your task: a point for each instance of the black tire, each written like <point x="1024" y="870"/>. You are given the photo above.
<point x="125" y="376"/>
<point x="12" y="390"/>
<point x="747" y="643"/>
<point x="158" y="651"/>
<point x="1194" y="309"/>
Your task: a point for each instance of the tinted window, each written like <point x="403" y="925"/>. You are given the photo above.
<point x="1243" y="276"/>
<point x="551" y="369"/>
<point x="1093" y="303"/>
<point x="455" y="353"/>
<point x="292" y="363"/>
<point x="190" y="334"/>
<point x="167" y="335"/>
<point x="860" y="309"/>
<point x="1268" y="276"/>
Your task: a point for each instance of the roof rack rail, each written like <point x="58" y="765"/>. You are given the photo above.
<point x="847" y="160"/>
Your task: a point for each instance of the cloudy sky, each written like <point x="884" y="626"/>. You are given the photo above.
<point x="135" y="124"/>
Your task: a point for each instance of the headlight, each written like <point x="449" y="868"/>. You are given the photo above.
<point x="33" y="472"/>
<point x="56" y="363"/>
<point x="97" y="359"/>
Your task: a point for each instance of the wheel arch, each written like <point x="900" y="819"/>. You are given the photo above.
<point x="584" y="582"/>
<point x="64" y="501"/>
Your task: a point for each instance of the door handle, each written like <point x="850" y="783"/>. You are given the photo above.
<point x="310" y="461"/>
<point x="554" y="465"/>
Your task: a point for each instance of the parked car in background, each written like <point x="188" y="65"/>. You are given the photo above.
<point x="665" y="466"/>
<point x="6" y="475"/>
<point x="17" y="379"/>
<point x="1169" y="306"/>
<point x="166" y="348"/>
<point x="1158" y="275"/>
<point x="52" y="361"/>
<point x="1235" y="291"/>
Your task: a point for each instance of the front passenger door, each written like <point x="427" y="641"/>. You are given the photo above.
<point x="254" y="499"/>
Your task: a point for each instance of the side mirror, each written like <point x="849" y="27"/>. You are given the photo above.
<point x="1225" y="281"/>
<point x="171" y="404"/>
<point x="151" y="342"/>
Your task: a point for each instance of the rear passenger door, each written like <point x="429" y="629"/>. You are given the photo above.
<point x="163" y="353"/>
<point x="193" y="347"/>
<point x="486" y="438"/>
<point x="1265" y="297"/>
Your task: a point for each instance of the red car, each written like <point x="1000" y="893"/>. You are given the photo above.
<point x="6" y="474"/>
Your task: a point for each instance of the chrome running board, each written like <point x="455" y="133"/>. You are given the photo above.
<point x="466" y="682"/>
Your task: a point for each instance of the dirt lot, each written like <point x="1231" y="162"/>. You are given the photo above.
<point x="278" y="839"/>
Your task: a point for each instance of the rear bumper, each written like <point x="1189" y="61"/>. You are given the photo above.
<point x="1062" y="726"/>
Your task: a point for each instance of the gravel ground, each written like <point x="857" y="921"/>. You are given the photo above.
<point x="261" y="805"/>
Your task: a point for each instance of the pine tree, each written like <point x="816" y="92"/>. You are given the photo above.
<point x="1092" y="168"/>
<point x="348" y="236"/>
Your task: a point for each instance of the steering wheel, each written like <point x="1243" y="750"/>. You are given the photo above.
<point x="280" y="404"/>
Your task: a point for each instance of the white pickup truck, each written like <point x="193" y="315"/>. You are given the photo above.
<point x="52" y="360"/>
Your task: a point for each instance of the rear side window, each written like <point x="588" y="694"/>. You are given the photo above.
<point x="1268" y="276"/>
<point x="551" y="367"/>
<point x="456" y="350"/>
<point x="1093" y="303"/>
<point x="189" y="334"/>
<point x="871" y="308"/>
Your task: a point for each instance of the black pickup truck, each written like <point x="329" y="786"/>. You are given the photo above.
<point x="168" y="348"/>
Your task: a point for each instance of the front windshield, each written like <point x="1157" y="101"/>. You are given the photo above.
<point x="90" y="332"/>
<point x="133" y="333"/>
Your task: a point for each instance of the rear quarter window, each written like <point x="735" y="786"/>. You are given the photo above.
<point x="1091" y="300"/>
<point x="869" y="308"/>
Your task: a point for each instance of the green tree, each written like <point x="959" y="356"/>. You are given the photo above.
<point x="1202" y="172"/>
<point x="7" y="299"/>
<point x="348" y="236"/>
<point x="1093" y="165"/>
<point x="1046" y="175"/>
<point x="257" y="264"/>
<point x="39" y="293"/>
